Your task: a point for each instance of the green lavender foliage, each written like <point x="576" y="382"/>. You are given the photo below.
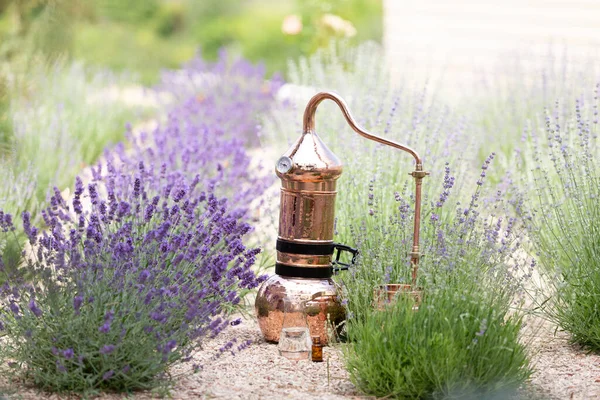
<point x="562" y="213"/>
<point x="461" y="343"/>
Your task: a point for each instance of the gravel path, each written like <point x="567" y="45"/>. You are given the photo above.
<point x="258" y="372"/>
<point x="563" y="371"/>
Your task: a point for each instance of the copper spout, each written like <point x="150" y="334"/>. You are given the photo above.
<point x="418" y="173"/>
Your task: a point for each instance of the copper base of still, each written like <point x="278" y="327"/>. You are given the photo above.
<point x="324" y="312"/>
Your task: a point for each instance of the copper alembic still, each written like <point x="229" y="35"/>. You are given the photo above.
<point x="305" y="248"/>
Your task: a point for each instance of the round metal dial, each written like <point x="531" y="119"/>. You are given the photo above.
<point x="284" y="165"/>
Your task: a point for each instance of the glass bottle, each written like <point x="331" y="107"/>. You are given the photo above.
<point x="317" y="349"/>
<point x="294" y="340"/>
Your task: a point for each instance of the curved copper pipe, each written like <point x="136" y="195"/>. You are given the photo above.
<point x="418" y="173"/>
<point x="309" y="122"/>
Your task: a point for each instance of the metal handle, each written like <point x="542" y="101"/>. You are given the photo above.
<point x="344" y="266"/>
<point x="418" y="173"/>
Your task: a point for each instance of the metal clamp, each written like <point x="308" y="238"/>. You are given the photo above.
<point x="338" y="249"/>
<point x="418" y="174"/>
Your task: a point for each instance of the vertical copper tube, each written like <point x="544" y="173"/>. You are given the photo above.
<point x="418" y="173"/>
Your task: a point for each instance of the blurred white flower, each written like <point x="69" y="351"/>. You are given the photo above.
<point x="338" y="25"/>
<point x="292" y="25"/>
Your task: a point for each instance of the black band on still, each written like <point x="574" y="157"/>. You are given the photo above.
<point x="303" y="272"/>
<point x="319" y="249"/>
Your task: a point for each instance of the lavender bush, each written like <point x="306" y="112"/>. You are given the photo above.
<point x="60" y="112"/>
<point x="208" y="128"/>
<point x="508" y="103"/>
<point x="459" y="242"/>
<point x="471" y="276"/>
<point x="149" y="258"/>
<point x="228" y="94"/>
<point x="561" y="211"/>
<point x="126" y="289"/>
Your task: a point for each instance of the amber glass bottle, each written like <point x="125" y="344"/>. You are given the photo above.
<point x="317" y="349"/>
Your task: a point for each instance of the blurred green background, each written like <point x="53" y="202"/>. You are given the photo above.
<point x="145" y="36"/>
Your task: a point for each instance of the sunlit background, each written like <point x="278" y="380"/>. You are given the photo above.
<point x="434" y="40"/>
<point x="453" y="43"/>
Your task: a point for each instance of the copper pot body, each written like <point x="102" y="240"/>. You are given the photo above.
<point x="308" y="173"/>
<point x="323" y="310"/>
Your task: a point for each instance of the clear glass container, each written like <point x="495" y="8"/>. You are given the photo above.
<point x="294" y="339"/>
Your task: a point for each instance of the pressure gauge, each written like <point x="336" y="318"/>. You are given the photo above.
<point x="284" y="165"/>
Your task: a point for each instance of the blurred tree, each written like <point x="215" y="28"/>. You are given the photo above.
<point x="130" y="11"/>
<point x="257" y="29"/>
<point x="32" y="28"/>
<point x="170" y="18"/>
<point x="354" y="20"/>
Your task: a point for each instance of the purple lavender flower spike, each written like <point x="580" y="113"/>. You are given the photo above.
<point x="68" y="354"/>
<point x="34" y="308"/>
<point x="107" y="349"/>
<point x="107" y="375"/>
<point x="105" y="328"/>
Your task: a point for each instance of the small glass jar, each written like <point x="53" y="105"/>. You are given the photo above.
<point x="294" y="340"/>
<point x="317" y="349"/>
